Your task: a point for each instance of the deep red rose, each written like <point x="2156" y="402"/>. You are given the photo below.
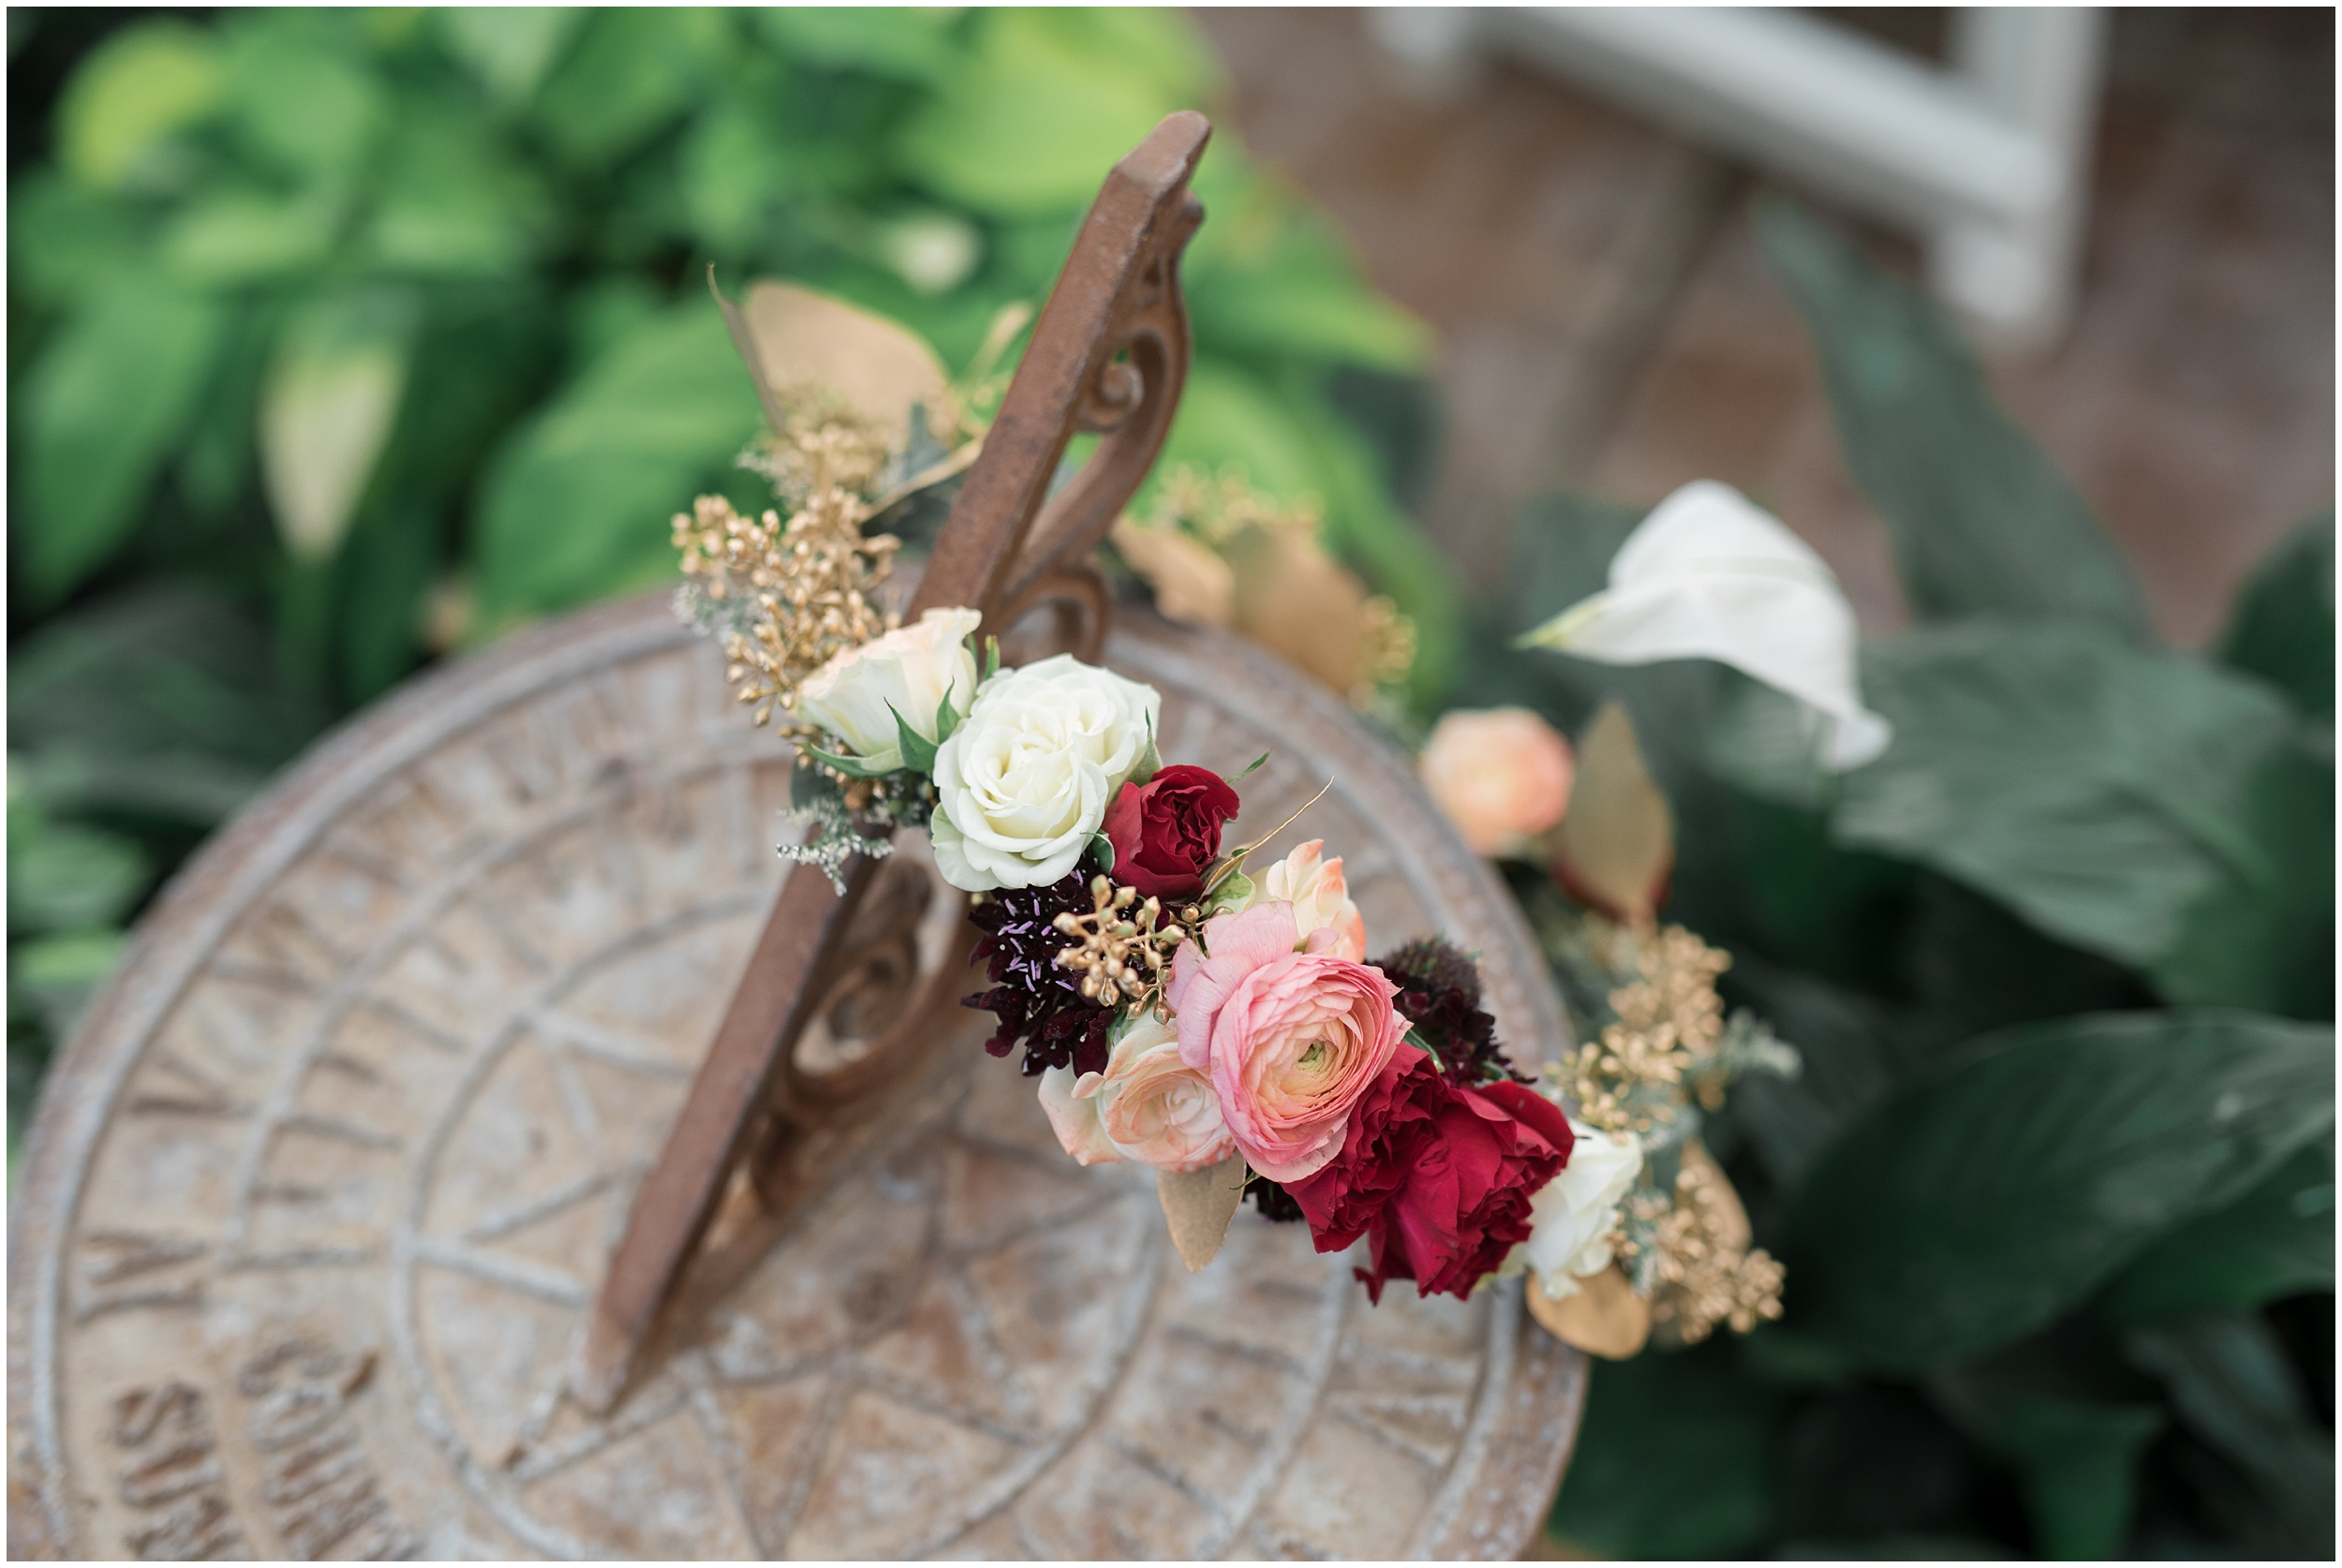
<point x="1165" y="832"/>
<point x="1437" y="1174"/>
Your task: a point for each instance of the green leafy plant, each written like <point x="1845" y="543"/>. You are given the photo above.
<point x="2056" y="1189"/>
<point x="377" y="333"/>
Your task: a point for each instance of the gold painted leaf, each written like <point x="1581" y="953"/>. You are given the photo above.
<point x="1297" y="601"/>
<point x="1192" y="585"/>
<point x="1201" y="1205"/>
<point x="1616" y="846"/>
<point x="808" y="345"/>
<point x="1605" y="1317"/>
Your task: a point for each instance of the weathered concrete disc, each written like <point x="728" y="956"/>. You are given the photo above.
<point x="327" y="1177"/>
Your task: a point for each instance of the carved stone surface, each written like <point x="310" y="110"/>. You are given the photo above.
<point x="326" y="1179"/>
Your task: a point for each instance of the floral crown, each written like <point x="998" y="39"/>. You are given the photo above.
<point x="1186" y="1010"/>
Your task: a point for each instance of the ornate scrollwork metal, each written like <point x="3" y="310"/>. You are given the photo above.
<point x="1108" y="356"/>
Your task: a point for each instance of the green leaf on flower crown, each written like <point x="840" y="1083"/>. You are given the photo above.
<point x="946" y="719"/>
<point x="1233" y="892"/>
<point x="1250" y="768"/>
<point x="991" y="659"/>
<point x="918" y="751"/>
<point x="1997" y="1193"/>
<point x="1150" y="760"/>
<point x="853" y="767"/>
<point x="1102" y="850"/>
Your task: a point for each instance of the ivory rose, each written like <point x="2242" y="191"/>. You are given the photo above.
<point x="1148" y="1105"/>
<point x="910" y="671"/>
<point x="1573" y="1215"/>
<point x="1025" y="780"/>
<point x="1320" y="897"/>
<point x="1291" y="1039"/>
<point x="1501" y="775"/>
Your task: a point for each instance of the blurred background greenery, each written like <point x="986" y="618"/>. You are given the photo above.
<point x="2056" y="1186"/>
<point x="343" y="340"/>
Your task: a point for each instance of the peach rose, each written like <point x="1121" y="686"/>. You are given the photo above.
<point x="1148" y="1105"/>
<point x="1501" y="775"/>
<point x="1291" y="1039"/>
<point x="1320" y="897"/>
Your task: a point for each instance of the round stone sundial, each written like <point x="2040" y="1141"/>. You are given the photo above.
<point x="323" y="1191"/>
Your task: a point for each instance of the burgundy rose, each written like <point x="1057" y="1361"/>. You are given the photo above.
<point x="1436" y="1175"/>
<point x="1165" y="832"/>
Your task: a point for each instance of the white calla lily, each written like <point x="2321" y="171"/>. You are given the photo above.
<point x="1709" y="574"/>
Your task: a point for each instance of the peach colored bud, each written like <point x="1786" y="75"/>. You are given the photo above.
<point x="1320" y="897"/>
<point x="1501" y="774"/>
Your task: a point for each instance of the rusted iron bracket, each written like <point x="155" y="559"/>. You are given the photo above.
<point x="1108" y="356"/>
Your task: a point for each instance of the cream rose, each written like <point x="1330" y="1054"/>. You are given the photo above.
<point x="1501" y="775"/>
<point x="909" y="671"/>
<point x="1320" y="897"/>
<point x="1571" y="1217"/>
<point x="1148" y="1105"/>
<point x="1025" y="780"/>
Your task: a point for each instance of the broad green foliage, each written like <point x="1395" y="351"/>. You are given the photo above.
<point x="2283" y="628"/>
<point x="2000" y="1190"/>
<point x="103" y="408"/>
<point x="2276" y="1241"/>
<point x="657" y="414"/>
<point x="1984" y="525"/>
<point x="1028" y="121"/>
<point x="346" y="185"/>
<point x="162" y="703"/>
<point x="389" y="330"/>
<point x="144" y="84"/>
<point x="1690" y="1418"/>
<point x="2099" y="790"/>
<point x="2232" y="1386"/>
<point x="2061" y="1264"/>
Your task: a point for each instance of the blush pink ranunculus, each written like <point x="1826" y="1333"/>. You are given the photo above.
<point x="1291" y="1039"/>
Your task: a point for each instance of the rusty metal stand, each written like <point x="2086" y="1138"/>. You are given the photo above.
<point x="1108" y="356"/>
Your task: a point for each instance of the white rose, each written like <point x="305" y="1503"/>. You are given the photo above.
<point x="857" y="695"/>
<point x="1025" y="780"/>
<point x="1320" y="897"/>
<point x="1571" y="1217"/>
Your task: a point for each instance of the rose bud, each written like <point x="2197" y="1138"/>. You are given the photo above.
<point x="1165" y="832"/>
<point x="1501" y="775"/>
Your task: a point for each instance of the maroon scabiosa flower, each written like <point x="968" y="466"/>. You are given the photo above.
<point x="1439" y="994"/>
<point x="1036" y="1001"/>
